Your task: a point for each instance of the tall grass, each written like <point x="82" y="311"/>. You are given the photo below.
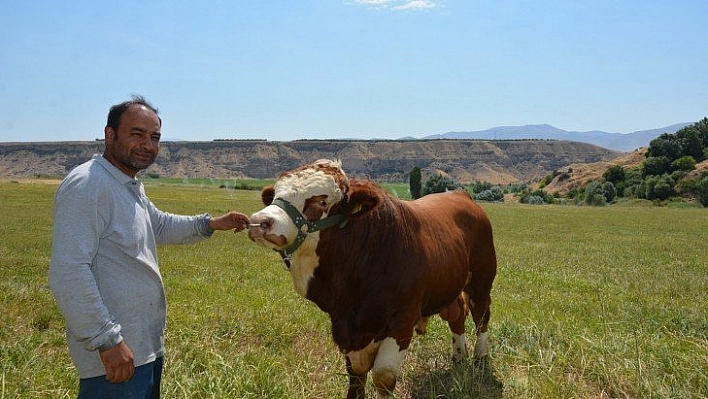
<point x="588" y="303"/>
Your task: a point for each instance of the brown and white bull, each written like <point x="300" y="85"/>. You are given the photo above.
<point x="379" y="266"/>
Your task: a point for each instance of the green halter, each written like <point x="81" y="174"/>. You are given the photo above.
<point x="304" y="227"/>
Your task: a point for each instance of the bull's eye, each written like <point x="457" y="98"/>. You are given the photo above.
<point x="323" y="203"/>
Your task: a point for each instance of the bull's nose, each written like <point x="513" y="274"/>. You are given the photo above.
<point x="260" y="222"/>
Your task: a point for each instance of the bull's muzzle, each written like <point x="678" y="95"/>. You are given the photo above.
<point x="260" y="231"/>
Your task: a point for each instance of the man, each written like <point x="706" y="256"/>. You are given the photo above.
<point x="104" y="272"/>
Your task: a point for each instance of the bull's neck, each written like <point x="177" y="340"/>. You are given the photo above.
<point x="303" y="264"/>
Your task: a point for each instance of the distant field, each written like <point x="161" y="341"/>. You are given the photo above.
<point x="588" y="303"/>
<point x="400" y="190"/>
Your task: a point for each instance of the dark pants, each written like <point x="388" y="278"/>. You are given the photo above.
<point x="145" y="384"/>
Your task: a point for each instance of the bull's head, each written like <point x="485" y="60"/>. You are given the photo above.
<point x="298" y="204"/>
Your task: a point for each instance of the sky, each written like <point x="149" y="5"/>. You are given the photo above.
<point x="285" y="70"/>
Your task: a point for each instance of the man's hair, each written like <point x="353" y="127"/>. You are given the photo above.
<point x="117" y="110"/>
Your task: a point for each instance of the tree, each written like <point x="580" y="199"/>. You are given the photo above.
<point x="609" y="191"/>
<point x="598" y="194"/>
<point x="665" y="145"/>
<point x="479" y="186"/>
<point x="658" y="187"/>
<point x="686" y="163"/>
<point x="691" y="144"/>
<point x="703" y="191"/>
<point x="662" y="190"/>
<point x="614" y="174"/>
<point x="632" y="182"/>
<point x="440" y="184"/>
<point x="656" y="166"/>
<point x="702" y="128"/>
<point x="414" y="182"/>
<point x="617" y="177"/>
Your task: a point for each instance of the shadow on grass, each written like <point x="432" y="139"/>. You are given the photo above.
<point x="471" y="379"/>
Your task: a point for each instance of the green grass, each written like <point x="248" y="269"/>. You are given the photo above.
<point x="241" y="184"/>
<point x="588" y="303"/>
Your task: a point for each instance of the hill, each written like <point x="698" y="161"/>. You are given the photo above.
<point x="498" y="162"/>
<point x="578" y="175"/>
<point x="615" y="141"/>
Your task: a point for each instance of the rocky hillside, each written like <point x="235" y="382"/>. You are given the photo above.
<point x="577" y="175"/>
<point x="503" y="161"/>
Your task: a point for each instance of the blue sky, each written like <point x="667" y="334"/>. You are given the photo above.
<point x="291" y="69"/>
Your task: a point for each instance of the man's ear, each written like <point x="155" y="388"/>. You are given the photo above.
<point x="267" y="195"/>
<point x="108" y="133"/>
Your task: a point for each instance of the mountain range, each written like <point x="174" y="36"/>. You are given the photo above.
<point x="615" y="141"/>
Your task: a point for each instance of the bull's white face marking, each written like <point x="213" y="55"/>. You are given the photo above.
<point x="459" y="347"/>
<point x="481" y="347"/>
<point x="296" y="188"/>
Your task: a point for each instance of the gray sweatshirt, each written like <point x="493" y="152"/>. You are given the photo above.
<point x="103" y="271"/>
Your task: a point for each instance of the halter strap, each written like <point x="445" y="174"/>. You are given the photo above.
<point x="304" y="227"/>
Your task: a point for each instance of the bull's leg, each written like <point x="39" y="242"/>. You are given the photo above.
<point x="357" y="382"/>
<point x="479" y="307"/>
<point x="479" y="290"/>
<point x="387" y="367"/>
<point x="455" y="315"/>
<point x="359" y="363"/>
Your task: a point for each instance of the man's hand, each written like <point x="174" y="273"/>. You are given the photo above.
<point x="119" y="363"/>
<point x="232" y="220"/>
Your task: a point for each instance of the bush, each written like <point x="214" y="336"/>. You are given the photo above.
<point x="546" y="180"/>
<point x="493" y="195"/>
<point x="658" y="187"/>
<point x="614" y="174"/>
<point x="517" y="187"/>
<point x="479" y="186"/>
<point x="599" y="194"/>
<point x="440" y="184"/>
<point x="536" y="197"/>
<point x="703" y="191"/>
<point x="609" y="191"/>
<point x="685" y="163"/>
<point x="574" y="193"/>
<point x="655" y="166"/>
<point x="534" y="200"/>
<point x="595" y="200"/>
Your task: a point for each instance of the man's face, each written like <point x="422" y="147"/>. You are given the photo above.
<point x="134" y="146"/>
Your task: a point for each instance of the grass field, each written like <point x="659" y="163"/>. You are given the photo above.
<point x="588" y="303"/>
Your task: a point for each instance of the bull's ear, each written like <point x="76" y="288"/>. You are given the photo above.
<point x="361" y="202"/>
<point x="267" y="195"/>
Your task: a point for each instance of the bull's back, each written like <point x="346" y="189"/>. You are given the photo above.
<point x="452" y="216"/>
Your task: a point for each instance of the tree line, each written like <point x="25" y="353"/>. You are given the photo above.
<point x="664" y="175"/>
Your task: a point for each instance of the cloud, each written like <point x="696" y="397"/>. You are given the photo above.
<point x="397" y="5"/>
<point x="373" y="2"/>
<point x="415" y="5"/>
